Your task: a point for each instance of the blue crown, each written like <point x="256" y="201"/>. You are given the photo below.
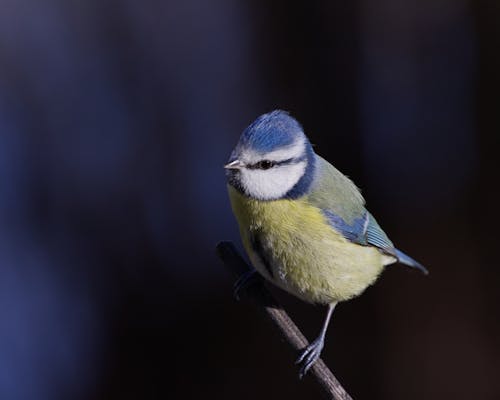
<point x="271" y="131"/>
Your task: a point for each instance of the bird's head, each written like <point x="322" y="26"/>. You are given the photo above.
<point x="273" y="159"/>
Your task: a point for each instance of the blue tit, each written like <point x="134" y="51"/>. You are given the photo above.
<point x="302" y="222"/>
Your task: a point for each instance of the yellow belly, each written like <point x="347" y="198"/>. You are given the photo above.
<point x="308" y="258"/>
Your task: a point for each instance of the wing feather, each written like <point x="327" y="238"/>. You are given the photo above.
<point x="343" y="205"/>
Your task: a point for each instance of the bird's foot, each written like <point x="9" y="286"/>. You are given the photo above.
<point x="309" y="356"/>
<point x="246" y="280"/>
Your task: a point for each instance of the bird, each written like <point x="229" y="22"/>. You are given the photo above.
<point x="302" y="222"/>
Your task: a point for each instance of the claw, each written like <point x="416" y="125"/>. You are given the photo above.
<point x="244" y="281"/>
<point x="309" y="356"/>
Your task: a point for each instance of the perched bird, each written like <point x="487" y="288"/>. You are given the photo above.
<point x="303" y="223"/>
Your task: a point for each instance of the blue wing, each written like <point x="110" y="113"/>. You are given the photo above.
<point x="363" y="230"/>
<point x="366" y="231"/>
<point x="344" y="207"/>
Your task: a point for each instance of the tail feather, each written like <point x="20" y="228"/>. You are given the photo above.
<point x="407" y="260"/>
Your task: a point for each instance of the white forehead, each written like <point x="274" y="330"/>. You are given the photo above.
<point x="273" y="183"/>
<point x="294" y="150"/>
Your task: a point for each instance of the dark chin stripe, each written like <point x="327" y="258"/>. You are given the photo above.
<point x="304" y="183"/>
<point x="233" y="179"/>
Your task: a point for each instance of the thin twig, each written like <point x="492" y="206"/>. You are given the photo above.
<point x="329" y="385"/>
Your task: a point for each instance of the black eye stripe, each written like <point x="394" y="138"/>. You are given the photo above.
<point x="284" y="162"/>
<point x="267" y="164"/>
<point x="263" y="164"/>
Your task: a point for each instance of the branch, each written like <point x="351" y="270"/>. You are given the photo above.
<point x="329" y="385"/>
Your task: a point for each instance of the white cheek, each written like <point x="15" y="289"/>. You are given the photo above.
<point x="272" y="183"/>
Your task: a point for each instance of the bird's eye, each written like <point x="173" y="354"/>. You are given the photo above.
<point x="265" y="164"/>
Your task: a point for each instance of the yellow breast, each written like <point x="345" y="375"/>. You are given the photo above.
<point x="307" y="256"/>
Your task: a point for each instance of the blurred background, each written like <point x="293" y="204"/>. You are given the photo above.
<point x="115" y="120"/>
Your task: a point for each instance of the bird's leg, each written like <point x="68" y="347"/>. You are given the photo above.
<point x="312" y="352"/>
<point x="244" y="281"/>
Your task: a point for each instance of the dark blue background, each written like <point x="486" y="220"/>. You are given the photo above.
<point x="115" y="120"/>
